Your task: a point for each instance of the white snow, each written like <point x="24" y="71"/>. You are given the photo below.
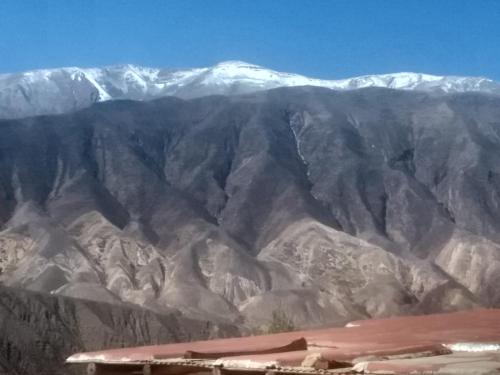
<point x="153" y="82"/>
<point x="229" y="72"/>
<point x="93" y="76"/>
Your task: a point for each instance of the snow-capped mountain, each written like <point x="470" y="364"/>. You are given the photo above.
<point x="66" y="89"/>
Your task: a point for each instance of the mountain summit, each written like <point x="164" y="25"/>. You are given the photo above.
<point x="53" y="91"/>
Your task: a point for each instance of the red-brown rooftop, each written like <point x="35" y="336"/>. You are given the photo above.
<point x="425" y="344"/>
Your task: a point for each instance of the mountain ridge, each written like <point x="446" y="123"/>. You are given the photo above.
<point x="328" y="205"/>
<point x="60" y="90"/>
<point x="334" y="204"/>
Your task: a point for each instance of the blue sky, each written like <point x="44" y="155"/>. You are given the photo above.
<point x="327" y="39"/>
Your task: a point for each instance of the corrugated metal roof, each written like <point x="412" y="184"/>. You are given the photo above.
<point x="363" y="345"/>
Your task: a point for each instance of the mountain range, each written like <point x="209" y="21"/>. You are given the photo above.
<point x="325" y="204"/>
<point x="61" y="90"/>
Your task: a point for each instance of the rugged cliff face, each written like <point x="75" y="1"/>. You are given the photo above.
<point x="328" y="205"/>
<point x="39" y="331"/>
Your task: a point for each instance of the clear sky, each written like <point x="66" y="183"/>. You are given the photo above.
<point x="327" y="39"/>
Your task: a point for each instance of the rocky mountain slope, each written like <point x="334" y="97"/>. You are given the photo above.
<point x="38" y="331"/>
<point x="67" y="89"/>
<point x="327" y="205"/>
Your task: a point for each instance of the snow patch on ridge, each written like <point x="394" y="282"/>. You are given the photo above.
<point x="93" y="76"/>
<point x="226" y="78"/>
<point x="153" y="81"/>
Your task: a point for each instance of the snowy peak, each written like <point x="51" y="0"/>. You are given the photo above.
<point x="235" y="64"/>
<point x="66" y="89"/>
<point x="237" y="72"/>
<point x="424" y="82"/>
<point x="233" y="72"/>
